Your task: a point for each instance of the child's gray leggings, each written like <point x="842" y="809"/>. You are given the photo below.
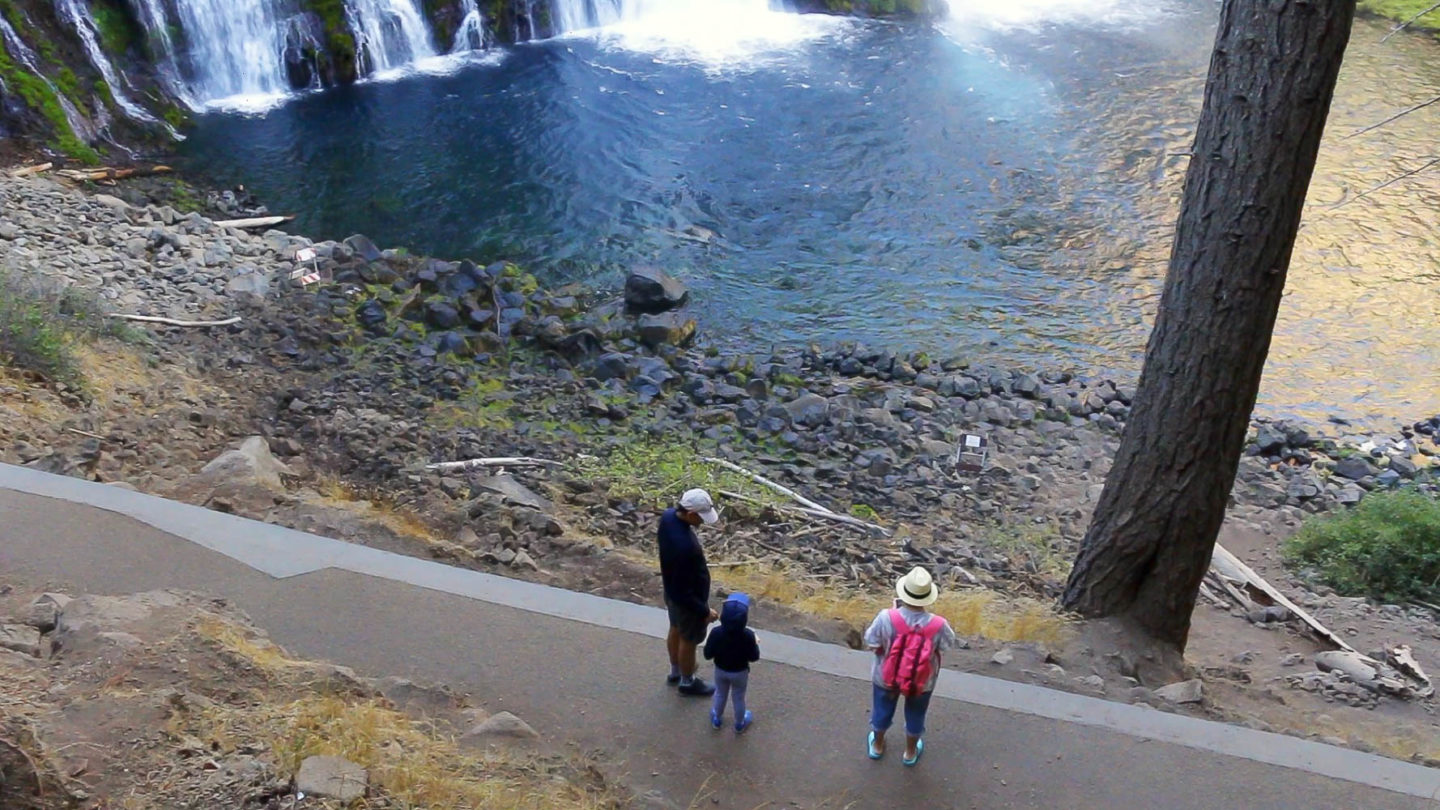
<point x="726" y="684"/>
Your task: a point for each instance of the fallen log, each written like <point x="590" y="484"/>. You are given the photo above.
<point x="1400" y="657"/>
<point x="29" y="170"/>
<point x="172" y="321"/>
<point x="470" y="464"/>
<point x="789" y="493"/>
<point x="254" y="222"/>
<point x="1364" y="671"/>
<point x="1229" y="567"/>
<point x="98" y="175"/>
<point x="868" y="528"/>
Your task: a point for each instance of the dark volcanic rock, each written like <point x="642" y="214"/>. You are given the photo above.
<point x="441" y="315"/>
<point x="363" y="247"/>
<point x="1354" y="468"/>
<point x="651" y="291"/>
<point x="666" y="329"/>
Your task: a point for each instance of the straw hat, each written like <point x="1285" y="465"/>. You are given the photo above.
<point x="917" y="588"/>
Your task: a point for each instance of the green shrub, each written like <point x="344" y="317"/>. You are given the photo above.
<point x="1387" y="547"/>
<point x="40" y="326"/>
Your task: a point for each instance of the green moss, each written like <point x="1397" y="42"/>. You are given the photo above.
<point x="117" y="30"/>
<point x="175" y="117"/>
<point x="1403" y="11"/>
<point x="38" y="95"/>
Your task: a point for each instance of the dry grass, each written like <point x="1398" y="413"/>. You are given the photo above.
<point x="405" y="522"/>
<point x="411" y="765"/>
<point x="264" y="654"/>
<point x="972" y="611"/>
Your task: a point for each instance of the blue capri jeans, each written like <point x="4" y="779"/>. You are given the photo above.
<point x="882" y="713"/>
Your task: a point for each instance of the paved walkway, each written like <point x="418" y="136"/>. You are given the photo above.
<point x="561" y="661"/>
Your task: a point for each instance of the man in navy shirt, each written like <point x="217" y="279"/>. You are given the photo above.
<point x="686" y="577"/>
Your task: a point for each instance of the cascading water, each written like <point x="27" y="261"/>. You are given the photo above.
<point x="236" y="48"/>
<point x="471" y="34"/>
<point x="157" y="28"/>
<point x="718" y="33"/>
<point x="388" y="33"/>
<point x="79" y="17"/>
<point x="21" y="52"/>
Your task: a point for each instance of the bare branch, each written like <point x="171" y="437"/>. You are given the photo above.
<point x="1406" y="24"/>
<point x="1422" y="105"/>
<point x="1392" y="181"/>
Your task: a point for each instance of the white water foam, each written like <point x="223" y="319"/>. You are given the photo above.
<point x="389" y="33"/>
<point x="1010" y="15"/>
<point x="470" y="36"/>
<point x="715" y="33"/>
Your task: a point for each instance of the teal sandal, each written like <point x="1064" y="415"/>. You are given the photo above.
<point x="919" y="750"/>
<point x="870" y="747"/>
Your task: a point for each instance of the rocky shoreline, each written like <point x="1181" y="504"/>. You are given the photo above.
<point x="393" y="362"/>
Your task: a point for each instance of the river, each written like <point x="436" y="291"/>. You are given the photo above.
<point x="1000" y="186"/>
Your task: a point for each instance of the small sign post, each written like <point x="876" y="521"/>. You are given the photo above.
<point x="300" y="274"/>
<point x="970" y="455"/>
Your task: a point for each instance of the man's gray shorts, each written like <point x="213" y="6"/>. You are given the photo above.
<point x="690" y="624"/>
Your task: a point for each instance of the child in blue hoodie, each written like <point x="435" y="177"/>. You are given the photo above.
<point x="733" y="647"/>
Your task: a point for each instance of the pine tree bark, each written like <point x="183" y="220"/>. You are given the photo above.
<point x="1272" y="76"/>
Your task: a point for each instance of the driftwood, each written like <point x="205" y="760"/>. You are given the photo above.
<point x="470" y="464"/>
<point x="789" y="493"/>
<point x="1364" y="671"/>
<point x="173" y="321"/>
<point x="96" y="175"/>
<point x="254" y="222"/>
<point x="868" y="528"/>
<point x="1231" y="570"/>
<point x="1400" y="658"/>
<point x="29" y="170"/>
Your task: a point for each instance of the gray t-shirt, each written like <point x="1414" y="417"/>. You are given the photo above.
<point x="881" y="632"/>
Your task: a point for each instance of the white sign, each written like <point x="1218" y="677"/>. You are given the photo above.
<point x="305" y="255"/>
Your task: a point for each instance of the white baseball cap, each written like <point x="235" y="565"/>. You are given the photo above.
<point x="700" y="502"/>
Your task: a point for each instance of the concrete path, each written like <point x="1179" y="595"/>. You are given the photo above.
<point x="590" y="670"/>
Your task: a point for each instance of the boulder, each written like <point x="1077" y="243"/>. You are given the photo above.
<point x="89" y="625"/>
<point x="251" y="288"/>
<point x="371" y="314"/>
<point x="512" y="491"/>
<point x="500" y="727"/>
<point x="252" y="463"/>
<point x="666" y="329"/>
<point x="331" y="778"/>
<point x="20" y="638"/>
<point x="441" y="315"/>
<point x="363" y="247"/>
<point x="1191" y="691"/>
<point x="651" y="291"/>
<point x="808" y="409"/>
<point x="1354" y="468"/>
<point x="1269" y="439"/>
<point x="45" y="611"/>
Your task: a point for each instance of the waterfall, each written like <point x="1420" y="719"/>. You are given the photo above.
<point x="21" y="52"/>
<point x="162" y="47"/>
<point x="236" y="48"/>
<point x="575" y="15"/>
<point x="470" y="36"/>
<point x="388" y="33"/>
<point x="79" y="17"/>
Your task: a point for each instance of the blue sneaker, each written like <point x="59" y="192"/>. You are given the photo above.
<point x="715" y="719"/>
<point x="744" y="722"/>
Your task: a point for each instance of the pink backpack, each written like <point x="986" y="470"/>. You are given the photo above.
<point x="910" y="661"/>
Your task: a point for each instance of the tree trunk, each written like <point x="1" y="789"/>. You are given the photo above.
<point x="1272" y="75"/>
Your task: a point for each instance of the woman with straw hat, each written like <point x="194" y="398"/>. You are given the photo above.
<point x="907" y="640"/>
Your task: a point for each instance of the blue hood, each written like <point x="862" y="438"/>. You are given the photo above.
<point x="735" y="612"/>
